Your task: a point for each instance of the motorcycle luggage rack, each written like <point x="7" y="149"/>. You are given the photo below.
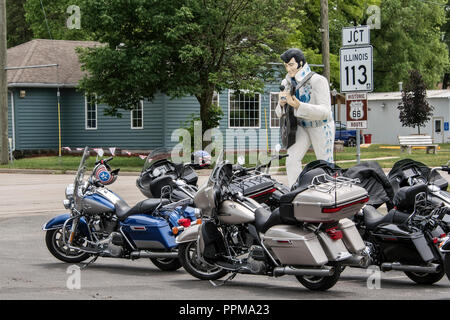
<point x="239" y="182"/>
<point x="327" y="184"/>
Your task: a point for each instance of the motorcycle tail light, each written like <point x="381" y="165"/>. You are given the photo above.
<point x="334" y="233"/>
<point x="339" y="208"/>
<point x="184" y="222"/>
<point x="442" y="235"/>
<point x="435" y="240"/>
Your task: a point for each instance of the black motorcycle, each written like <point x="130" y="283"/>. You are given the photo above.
<point x="159" y="172"/>
<point x="404" y="241"/>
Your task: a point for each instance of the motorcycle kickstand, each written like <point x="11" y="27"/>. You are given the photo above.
<point x="221" y="283"/>
<point x="85" y="265"/>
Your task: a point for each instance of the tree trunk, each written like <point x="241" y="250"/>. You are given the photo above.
<point x="205" y="101"/>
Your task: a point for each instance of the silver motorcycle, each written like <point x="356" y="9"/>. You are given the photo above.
<point x="309" y="236"/>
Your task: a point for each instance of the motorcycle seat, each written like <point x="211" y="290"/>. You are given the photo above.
<point x="123" y="210"/>
<point x="373" y="218"/>
<point x="264" y="219"/>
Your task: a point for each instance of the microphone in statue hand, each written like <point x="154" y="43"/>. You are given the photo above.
<point x="282" y="89"/>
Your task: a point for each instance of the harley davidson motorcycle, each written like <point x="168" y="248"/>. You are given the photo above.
<point x="101" y="224"/>
<point x="159" y="172"/>
<point x="408" y="172"/>
<point x="301" y="238"/>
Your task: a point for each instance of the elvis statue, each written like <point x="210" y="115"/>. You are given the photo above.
<point x="312" y="109"/>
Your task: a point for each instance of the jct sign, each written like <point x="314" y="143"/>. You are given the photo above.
<point x="356" y="110"/>
<point x="356" y="36"/>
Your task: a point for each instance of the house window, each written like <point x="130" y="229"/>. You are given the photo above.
<point x="90" y="112"/>
<point x="274" y="120"/>
<point x="137" y="116"/>
<point x="244" y="110"/>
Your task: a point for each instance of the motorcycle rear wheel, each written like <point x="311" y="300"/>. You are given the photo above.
<point x="447" y="265"/>
<point x="315" y="283"/>
<point x="57" y="247"/>
<point x="188" y="257"/>
<point x="167" y="264"/>
<point x="425" y="278"/>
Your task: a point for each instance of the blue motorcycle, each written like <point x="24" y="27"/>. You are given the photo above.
<point x="101" y="224"/>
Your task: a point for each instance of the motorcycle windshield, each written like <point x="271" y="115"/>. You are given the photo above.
<point x="79" y="178"/>
<point x="217" y="166"/>
<point x="157" y="155"/>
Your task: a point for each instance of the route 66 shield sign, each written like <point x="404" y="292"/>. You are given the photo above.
<point x="356" y="110"/>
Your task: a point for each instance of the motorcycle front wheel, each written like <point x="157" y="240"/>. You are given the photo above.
<point x="188" y="257"/>
<point x="57" y="247"/>
<point x="315" y="283"/>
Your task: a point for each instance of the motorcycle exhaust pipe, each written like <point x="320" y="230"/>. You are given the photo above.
<point x="434" y="268"/>
<point x="281" y="271"/>
<point x="357" y="261"/>
<point x="149" y="254"/>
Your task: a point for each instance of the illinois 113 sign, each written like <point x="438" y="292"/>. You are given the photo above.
<point x="356" y="68"/>
<point x="356" y="110"/>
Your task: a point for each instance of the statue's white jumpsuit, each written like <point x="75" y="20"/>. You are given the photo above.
<point x="315" y="123"/>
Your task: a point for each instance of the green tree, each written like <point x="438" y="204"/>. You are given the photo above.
<point x="410" y="38"/>
<point x="187" y="47"/>
<point x="304" y="20"/>
<point x="57" y="16"/>
<point x="414" y="109"/>
<point x="17" y="28"/>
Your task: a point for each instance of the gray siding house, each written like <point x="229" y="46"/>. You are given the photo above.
<point x="33" y="108"/>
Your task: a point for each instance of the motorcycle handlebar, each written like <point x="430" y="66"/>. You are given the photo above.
<point x="103" y="160"/>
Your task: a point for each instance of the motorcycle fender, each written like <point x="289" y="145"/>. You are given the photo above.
<point x="58" y="222"/>
<point x="446" y="247"/>
<point x="188" y="235"/>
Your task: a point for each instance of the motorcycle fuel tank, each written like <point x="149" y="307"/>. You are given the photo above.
<point x="231" y="212"/>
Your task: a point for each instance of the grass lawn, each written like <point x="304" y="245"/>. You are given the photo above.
<point x="134" y="164"/>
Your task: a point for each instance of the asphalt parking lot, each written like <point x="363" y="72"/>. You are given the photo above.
<point x="29" y="271"/>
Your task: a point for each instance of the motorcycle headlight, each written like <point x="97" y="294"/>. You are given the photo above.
<point x="69" y="192"/>
<point x="66" y="204"/>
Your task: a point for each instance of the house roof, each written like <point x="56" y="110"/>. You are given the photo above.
<point x="431" y="94"/>
<point x="45" y="52"/>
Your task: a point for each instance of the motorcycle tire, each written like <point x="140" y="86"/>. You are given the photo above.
<point x="320" y="283"/>
<point x="187" y="253"/>
<point x="447" y="265"/>
<point x="56" y="247"/>
<point x="425" y="278"/>
<point x="167" y="264"/>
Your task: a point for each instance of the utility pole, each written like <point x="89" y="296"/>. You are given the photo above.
<point x="3" y="86"/>
<point x="324" y="28"/>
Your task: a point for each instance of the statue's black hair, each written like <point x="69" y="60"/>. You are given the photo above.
<point x="295" y="53"/>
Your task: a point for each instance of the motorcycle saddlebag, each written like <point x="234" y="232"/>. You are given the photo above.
<point x="294" y="246"/>
<point x="399" y="244"/>
<point x="351" y="236"/>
